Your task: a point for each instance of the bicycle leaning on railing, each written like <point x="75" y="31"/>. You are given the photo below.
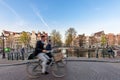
<point x="57" y="66"/>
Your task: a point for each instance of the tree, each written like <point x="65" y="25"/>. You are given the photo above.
<point x="0" y="42"/>
<point x="81" y="40"/>
<point x="70" y="35"/>
<point x="56" y="38"/>
<point x="25" y="38"/>
<point x="103" y="40"/>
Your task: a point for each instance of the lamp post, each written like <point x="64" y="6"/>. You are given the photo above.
<point x="3" y="46"/>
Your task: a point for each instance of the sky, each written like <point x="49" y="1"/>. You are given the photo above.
<point x="85" y="16"/>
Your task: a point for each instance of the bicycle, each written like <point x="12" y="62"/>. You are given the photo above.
<point x="58" y="67"/>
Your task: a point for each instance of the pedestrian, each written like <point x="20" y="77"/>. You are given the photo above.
<point x="23" y="52"/>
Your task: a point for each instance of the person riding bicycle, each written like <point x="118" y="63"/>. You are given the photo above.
<point x="40" y="52"/>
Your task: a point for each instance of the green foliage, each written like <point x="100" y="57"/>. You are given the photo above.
<point x="25" y="38"/>
<point x="103" y="40"/>
<point x="56" y="38"/>
<point x="0" y="41"/>
<point x="70" y="35"/>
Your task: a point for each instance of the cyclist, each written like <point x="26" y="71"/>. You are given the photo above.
<point x="40" y="52"/>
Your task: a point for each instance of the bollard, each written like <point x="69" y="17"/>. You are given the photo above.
<point x="109" y="54"/>
<point x="88" y="53"/>
<point x="17" y="55"/>
<point x="12" y="55"/>
<point x="67" y="52"/>
<point x="8" y="56"/>
<point x="97" y="56"/>
<point x="22" y="55"/>
<point x="103" y="52"/>
<point x="113" y="54"/>
<point x="77" y="51"/>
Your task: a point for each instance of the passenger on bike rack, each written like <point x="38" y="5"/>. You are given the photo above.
<point x="49" y="48"/>
<point x="40" y="52"/>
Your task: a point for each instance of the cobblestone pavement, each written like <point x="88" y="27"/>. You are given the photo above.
<point x="83" y="59"/>
<point x="5" y="61"/>
<point x="75" y="71"/>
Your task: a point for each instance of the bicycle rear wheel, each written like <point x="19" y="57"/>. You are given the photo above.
<point x="33" y="68"/>
<point x="58" y="70"/>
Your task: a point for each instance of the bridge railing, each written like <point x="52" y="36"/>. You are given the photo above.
<point x="90" y="52"/>
<point x="68" y="51"/>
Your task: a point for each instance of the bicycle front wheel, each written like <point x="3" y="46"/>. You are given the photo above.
<point x="64" y="60"/>
<point x="33" y="68"/>
<point x="58" y="70"/>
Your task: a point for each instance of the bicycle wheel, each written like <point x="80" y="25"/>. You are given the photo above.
<point x="33" y="68"/>
<point x="58" y="70"/>
<point x="64" y="60"/>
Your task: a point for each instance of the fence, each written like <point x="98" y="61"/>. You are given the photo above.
<point x="17" y="55"/>
<point x="70" y="52"/>
<point x="90" y="53"/>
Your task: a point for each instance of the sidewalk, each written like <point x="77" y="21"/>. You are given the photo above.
<point x="111" y="60"/>
<point x="5" y="62"/>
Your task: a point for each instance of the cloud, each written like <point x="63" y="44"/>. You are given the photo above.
<point x="17" y="25"/>
<point x="10" y="8"/>
<point x="36" y="11"/>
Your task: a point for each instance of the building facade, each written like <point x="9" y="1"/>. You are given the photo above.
<point x="111" y="39"/>
<point x="12" y="39"/>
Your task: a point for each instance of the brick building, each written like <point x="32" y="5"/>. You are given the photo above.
<point x="12" y="39"/>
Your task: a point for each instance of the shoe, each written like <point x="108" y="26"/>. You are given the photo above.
<point x="45" y="73"/>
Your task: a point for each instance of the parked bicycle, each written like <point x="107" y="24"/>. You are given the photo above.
<point x="57" y="66"/>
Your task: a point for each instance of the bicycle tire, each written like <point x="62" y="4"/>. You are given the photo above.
<point x="58" y="70"/>
<point x="64" y="60"/>
<point x="33" y="68"/>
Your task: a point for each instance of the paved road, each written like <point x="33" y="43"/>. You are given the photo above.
<point x="75" y="71"/>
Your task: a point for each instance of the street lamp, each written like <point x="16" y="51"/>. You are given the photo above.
<point x="3" y="45"/>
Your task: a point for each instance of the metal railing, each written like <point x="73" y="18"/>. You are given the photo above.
<point x="70" y="52"/>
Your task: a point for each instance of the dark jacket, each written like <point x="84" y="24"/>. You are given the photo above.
<point x="39" y="47"/>
<point x="48" y="47"/>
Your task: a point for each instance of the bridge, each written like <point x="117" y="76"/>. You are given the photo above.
<point x="75" y="70"/>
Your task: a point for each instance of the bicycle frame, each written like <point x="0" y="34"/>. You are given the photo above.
<point x="56" y="68"/>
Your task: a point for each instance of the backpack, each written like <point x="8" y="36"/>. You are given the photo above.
<point x="31" y="56"/>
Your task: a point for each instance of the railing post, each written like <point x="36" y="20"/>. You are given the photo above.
<point x="97" y="56"/>
<point x="103" y="52"/>
<point x="77" y="51"/>
<point x="88" y="53"/>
